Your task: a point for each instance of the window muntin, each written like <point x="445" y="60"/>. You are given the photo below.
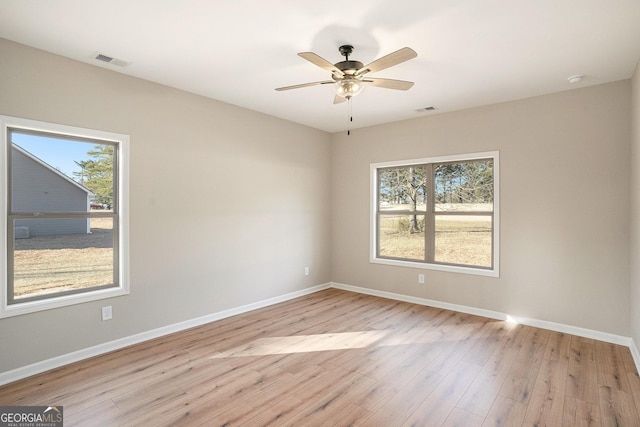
<point x="65" y="238"/>
<point x="437" y="213"/>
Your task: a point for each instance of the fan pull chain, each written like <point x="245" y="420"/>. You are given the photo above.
<point x="350" y="117"/>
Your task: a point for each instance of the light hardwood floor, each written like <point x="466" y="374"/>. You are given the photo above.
<point x="341" y="358"/>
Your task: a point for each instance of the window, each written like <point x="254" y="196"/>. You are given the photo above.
<point x="64" y="235"/>
<point x="438" y="213"/>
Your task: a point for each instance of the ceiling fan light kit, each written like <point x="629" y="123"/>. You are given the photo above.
<point x="349" y="76"/>
<point x="349" y="86"/>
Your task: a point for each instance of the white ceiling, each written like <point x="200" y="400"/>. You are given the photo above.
<point x="470" y="52"/>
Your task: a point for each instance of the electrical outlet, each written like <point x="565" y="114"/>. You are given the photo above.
<point x="107" y="314"/>
<point x="306" y="271"/>
<point x="420" y="278"/>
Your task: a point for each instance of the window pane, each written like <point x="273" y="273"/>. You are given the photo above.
<point x="462" y="239"/>
<point x="54" y="174"/>
<point x="403" y="188"/>
<point x="61" y="260"/>
<point x="464" y="186"/>
<point x="401" y="236"/>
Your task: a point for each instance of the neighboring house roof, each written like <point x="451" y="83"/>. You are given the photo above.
<point x="51" y="168"/>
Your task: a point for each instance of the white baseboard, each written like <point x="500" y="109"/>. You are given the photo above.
<point x="65" y="359"/>
<point x="635" y="354"/>
<point x="543" y="324"/>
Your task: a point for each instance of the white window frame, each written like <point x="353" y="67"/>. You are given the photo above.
<point x="122" y="146"/>
<point x="373" y="239"/>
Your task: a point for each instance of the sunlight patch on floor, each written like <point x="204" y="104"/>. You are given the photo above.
<point x="305" y="344"/>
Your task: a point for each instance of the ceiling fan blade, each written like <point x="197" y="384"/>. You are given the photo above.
<point x="389" y="83"/>
<point x="326" y="82"/>
<point x="321" y="62"/>
<point x="387" y="61"/>
<point x="338" y="99"/>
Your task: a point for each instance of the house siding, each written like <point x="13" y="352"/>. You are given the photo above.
<point x="36" y="188"/>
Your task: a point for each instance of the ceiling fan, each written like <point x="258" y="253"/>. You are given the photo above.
<point x="350" y="76"/>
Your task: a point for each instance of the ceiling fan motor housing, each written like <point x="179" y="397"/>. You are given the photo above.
<point x="347" y="67"/>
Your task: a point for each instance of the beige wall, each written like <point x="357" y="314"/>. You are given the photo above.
<point x="635" y="207"/>
<point x="564" y="191"/>
<point x="227" y="205"/>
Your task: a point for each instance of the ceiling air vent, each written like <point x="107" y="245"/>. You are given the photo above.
<point x="110" y="60"/>
<point x="424" y="109"/>
<point x="104" y="58"/>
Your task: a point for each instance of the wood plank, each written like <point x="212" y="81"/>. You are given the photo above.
<point x="495" y="334"/>
<point x="547" y="399"/>
<point x="578" y="413"/>
<point x="627" y="359"/>
<point x="442" y="401"/>
<point x="524" y="369"/>
<point x="505" y="412"/>
<point x="610" y="367"/>
<point x="405" y="400"/>
<point x="328" y="402"/>
<point x="461" y="418"/>
<point x="558" y="347"/>
<point x="481" y="394"/>
<point x="341" y="358"/>
<point x="634" y="383"/>
<point x="582" y="381"/>
<point x="350" y="415"/>
<point x="617" y="408"/>
<point x="98" y="415"/>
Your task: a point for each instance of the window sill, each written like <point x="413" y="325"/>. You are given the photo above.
<point x="438" y="267"/>
<point x="62" y="301"/>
